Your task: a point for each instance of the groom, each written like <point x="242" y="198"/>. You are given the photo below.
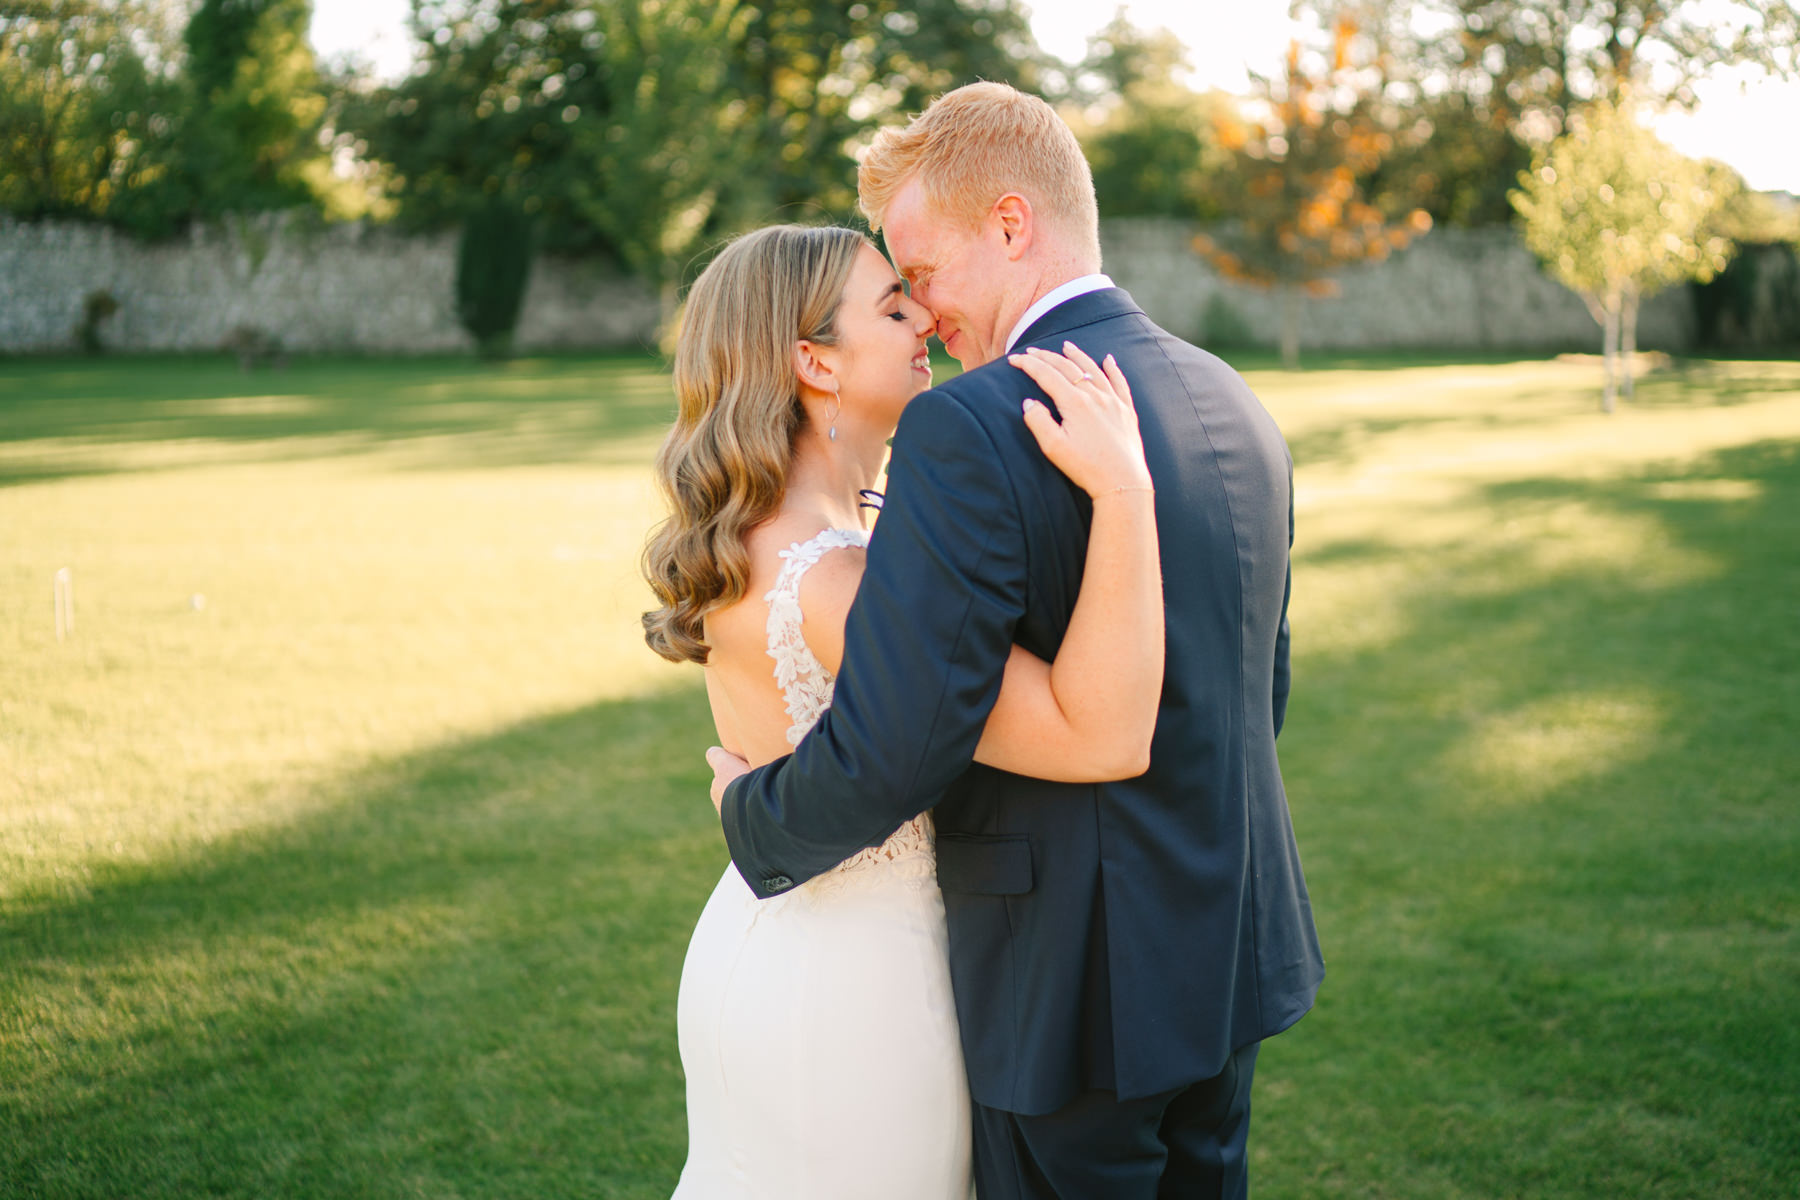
<point x="1118" y="950"/>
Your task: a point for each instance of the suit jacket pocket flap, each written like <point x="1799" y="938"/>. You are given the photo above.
<point x="984" y="866"/>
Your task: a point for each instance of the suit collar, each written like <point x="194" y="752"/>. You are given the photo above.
<point x="1084" y="309"/>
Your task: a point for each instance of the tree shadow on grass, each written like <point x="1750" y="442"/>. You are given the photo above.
<point x="1688" y="385"/>
<point x="1689" y="382"/>
<point x="85" y="416"/>
<point x="456" y="977"/>
<point x="1318" y="362"/>
<point x="1549" y="834"/>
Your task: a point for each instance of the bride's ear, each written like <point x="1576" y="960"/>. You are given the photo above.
<point x="813" y="367"/>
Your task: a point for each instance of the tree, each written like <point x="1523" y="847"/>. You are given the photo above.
<point x="1486" y="80"/>
<point x="645" y="130"/>
<point x="106" y="113"/>
<point x="493" y="265"/>
<point x="807" y="84"/>
<point x="1535" y="60"/>
<point x="1616" y="214"/>
<point x="84" y="86"/>
<point x="1150" y="139"/>
<point x="596" y="124"/>
<point x="249" y="132"/>
<point x="1755" y="301"/>
<point x="1300" y="214"/>
<point x="1456" y="162"/>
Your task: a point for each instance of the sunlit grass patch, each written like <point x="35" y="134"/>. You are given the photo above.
<point x="1528" y="754"/>
<point x="350" y="845"/>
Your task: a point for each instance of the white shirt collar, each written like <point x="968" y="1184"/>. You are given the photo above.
<point x="1054" y="297"/>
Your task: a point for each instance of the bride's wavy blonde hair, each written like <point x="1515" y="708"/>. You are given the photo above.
<point x="723" y="467"/>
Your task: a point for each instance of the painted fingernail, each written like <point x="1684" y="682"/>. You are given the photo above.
<point x="1110" y="362"/>
<point x="1029" y="405"/>
<point x="1068" y="346"/>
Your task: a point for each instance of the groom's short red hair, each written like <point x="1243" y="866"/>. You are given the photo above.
<point x="973" y="146"/>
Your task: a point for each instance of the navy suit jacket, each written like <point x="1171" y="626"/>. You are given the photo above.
<point x="1125" y="935"/>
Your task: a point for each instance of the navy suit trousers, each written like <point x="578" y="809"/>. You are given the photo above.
<point x="1186" y="1144"/>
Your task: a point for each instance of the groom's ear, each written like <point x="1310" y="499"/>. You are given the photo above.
<point x="812" y="367"/>
<point x="1012" y="212"/>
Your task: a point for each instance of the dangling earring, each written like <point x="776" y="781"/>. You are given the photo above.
<point x="831" y="434"/>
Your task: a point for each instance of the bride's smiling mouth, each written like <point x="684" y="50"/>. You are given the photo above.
<point x="922" y="363"/>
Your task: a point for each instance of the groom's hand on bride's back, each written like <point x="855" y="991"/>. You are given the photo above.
<point x="726" y="767"/>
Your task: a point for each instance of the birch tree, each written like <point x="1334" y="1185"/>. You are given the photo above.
<point x="1615" y="214"/>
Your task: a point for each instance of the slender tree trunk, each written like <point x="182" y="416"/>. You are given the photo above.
<point x="1611" y="354"/>
<point x="1290" y="326"/>
<point x="668" y="305"/>
<point x="1628" y="351"/>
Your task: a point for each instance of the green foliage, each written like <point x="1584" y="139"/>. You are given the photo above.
<point x="641" y="130"/>
<point x="1749" y="217"/>
<point x="1482" y="81"/>
<point x="96" y="307"/>
<point x="1151" y="140"/>
<point x="1611" y="210"/>
<point x="106" y="114"/>
<point x="1456" y="162"/>
<point x="808" y="83"/>
<point x="600" y="122"/>
<point x="1223" y="325"/>
<point x="253" y="347"/>
<point x="1537" y="60"/>
<point x="85" y="95"/>
<point x="254" y="111"/>
<point x="1300" y="214"/>
<point x="493" y="264"/>
<point x="1754" y="303"/>
<point x="490" y="113"/>
<point x="1615" y="214"/>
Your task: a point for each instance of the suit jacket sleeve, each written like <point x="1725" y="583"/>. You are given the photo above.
<point x="925" y="646"/>
<point x="1283" y="671"/>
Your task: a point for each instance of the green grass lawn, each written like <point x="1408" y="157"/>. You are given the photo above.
<point x="350" y="843"/>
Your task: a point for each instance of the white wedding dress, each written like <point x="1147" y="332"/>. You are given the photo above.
<point x="817" y="1028"/>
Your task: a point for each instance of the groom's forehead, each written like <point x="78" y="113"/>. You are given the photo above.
<point x="911" y="230"/>
<point x="913" y="255"/>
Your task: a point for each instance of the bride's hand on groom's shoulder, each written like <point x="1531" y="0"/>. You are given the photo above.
<point x="1097" y="443"/>
<point x="726" y="767"/>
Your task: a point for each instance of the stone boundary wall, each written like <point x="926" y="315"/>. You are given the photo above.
<point x="364" y="288"/>
<point x="1454" y="289"/>
<point x="350" y="287"/>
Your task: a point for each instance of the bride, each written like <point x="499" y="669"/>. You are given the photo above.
<point x="817" y="1029"/>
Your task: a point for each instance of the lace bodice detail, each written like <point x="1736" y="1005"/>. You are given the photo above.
<point x="806" y="685"/>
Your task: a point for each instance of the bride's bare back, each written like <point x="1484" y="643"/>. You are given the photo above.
<point x="749" y="709"/>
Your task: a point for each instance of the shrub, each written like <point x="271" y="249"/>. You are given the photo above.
<point x="493" y="263"/>
<point x="254" y="347"/>
<point x="1224" y="326"/>
<point x="96" y="307"/>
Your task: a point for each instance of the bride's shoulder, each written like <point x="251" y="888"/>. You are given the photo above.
<point x="832" y="570"/>
<point x="771" y="546"/>
<point x="777" y="540"/>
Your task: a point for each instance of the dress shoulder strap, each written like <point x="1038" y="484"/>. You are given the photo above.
<point x="805" y="684"/>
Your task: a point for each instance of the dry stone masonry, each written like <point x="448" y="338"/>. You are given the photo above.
<point x="287" y="281"/>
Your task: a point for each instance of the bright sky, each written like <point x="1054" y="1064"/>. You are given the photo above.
<point x="1223" y="37"/>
